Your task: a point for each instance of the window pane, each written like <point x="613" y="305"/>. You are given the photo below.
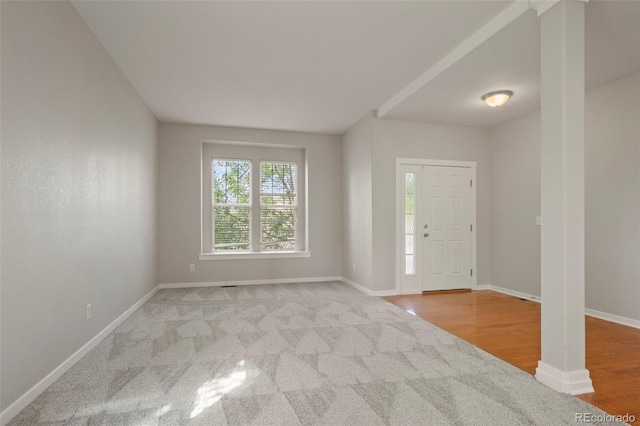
<point x="231" y="181"/>
<point x="409" y="224"/>
<point x="231" y="228"/>
<point x="408" y="244"/>
<point x="278" y="228"/>
<point x="278" y="214"/>
<point x="409" y="179"/>
<point x="279" y="200"/>
<point x="410" y="267"/>
<point x="409" y="204"/>
<point x="277" y="183"/>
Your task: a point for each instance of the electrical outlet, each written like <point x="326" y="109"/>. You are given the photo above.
<point x="89" y="311"/>
<point x="192" y="267"/>
<point x="354" y="267"/>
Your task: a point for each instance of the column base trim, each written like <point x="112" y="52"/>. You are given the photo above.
<point x="571" y="382"/>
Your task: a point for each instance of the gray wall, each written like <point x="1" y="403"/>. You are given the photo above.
<point x="357" y="202"/>
<point x="612" y="198"/>
<point x="78" y="191"/>
<point x="393" y="139"/>
<point x="179" y="207"/>
<point x="515" y="203"/>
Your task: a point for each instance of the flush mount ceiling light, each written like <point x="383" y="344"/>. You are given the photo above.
<point x="496" y="99"/>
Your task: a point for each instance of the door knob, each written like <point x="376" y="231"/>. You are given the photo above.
<point x="426" y="234"/>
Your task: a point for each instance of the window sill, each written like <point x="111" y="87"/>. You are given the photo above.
<point x="254" y="255"/>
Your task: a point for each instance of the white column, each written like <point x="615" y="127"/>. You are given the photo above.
<point x="563" y="271"/>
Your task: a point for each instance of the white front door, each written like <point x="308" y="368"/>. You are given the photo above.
<point x="445" y="228"/>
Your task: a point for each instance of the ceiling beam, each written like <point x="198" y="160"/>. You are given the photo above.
<point x="541" y="6"/>
<point x="507" y="16"/>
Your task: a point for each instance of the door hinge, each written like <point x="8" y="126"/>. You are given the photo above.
<point x="471" y="227"/>
<point x="472" y="272"/>
<point x="471" y="183"/>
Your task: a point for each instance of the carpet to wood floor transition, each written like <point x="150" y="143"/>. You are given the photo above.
<point x="289" y="354"/>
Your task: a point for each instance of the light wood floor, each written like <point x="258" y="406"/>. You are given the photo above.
<point x="509" y="328"/>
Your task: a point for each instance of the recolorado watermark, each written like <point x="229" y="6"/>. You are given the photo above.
<point x="604" y="418"/>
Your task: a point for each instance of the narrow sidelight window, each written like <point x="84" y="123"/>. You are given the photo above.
<point x="409" y="224"/>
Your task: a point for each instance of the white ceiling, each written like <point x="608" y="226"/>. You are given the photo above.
<point x="309" y="66"/>
<point x="320" y="66"/>
<point x="511" y="60"/>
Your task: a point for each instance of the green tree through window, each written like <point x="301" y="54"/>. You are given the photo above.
<point x="278" y="206"/>
<point x="232" y="206"/>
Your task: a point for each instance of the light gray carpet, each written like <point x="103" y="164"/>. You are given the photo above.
<point x="319" y="353"/>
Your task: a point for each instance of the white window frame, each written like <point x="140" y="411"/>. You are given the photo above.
<point x="256" y="153"/>
<point x="250" y="205"/>
<point x="295" y="206"/>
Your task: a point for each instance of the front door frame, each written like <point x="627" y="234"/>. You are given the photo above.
<point x="402" y="284"/>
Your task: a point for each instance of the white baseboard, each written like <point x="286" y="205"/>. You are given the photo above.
<point x="407" y="293"/>
<point x="379" y="293"/>
<point x="249" y="282"/>
<point x="572" y="382"/>
<point x="613" y="318"/>
<point x="358" y="286"/>
<point x="510" y="292"/>
<point x="384" y="293"/>
<point x="11" y="411"/>
<point x="629" y="322"/>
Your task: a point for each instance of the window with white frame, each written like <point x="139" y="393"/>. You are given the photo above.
<point x="231" y="211"/>
<point x="278" y="206"/>
<point x="409" y="224"/>
<point x="253" y="200"/>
